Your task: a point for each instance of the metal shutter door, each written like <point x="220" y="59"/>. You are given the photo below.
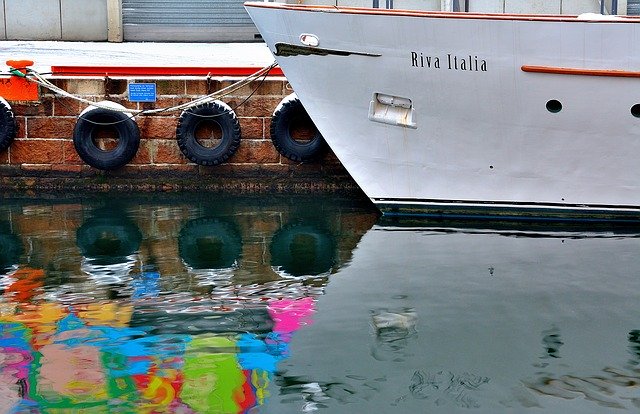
<point x="187" y="21"/>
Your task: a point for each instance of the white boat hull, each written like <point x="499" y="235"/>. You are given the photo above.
<point x="483" y="133"/>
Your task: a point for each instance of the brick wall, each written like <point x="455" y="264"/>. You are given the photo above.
<point x="43" y="153"/>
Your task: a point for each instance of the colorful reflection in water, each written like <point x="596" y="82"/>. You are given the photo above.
<point x="58" y="357"/>
<point x="178" y="306"/>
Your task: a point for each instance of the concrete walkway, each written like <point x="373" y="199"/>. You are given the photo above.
<point x="46" y="54"/>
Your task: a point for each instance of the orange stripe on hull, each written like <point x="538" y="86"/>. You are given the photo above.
<point x="581" y="72"/>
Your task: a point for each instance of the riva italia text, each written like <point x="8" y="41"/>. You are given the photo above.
<point x="469" y="63"/>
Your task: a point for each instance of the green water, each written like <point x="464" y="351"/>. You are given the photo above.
<point x="202" y="304"/>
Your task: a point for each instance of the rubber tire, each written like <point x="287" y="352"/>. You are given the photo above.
<point x="209" y="243"/>
<point x="302" y="250"/>
<point x="290" y="112"/>
<point x="219" y="113"/>
<point x="128" y="139"/>
<point x="7" y="126"/>
<point x="108" y="240"/>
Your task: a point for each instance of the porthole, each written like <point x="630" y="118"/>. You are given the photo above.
<point x="635" y="110"/>
<point x="554" y="106"/>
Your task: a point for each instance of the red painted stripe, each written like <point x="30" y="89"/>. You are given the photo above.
<point x="583" y="72"/>
<point x="157" y="71"/>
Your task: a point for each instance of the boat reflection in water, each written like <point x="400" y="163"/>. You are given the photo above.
<point x="303" y="305"/>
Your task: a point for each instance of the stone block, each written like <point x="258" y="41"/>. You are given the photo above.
<point x="88" y="87"/>
<point x="67" y="107"/>
<point x="21" y="131"/>
<point x="69" y="153"/>
<point x="253" y="128"/>
<point x="84" y="20"/>
<point x="47" y="127"/>
<point x="152" y="127"/>
<point x="171" y="87"/>
<point x="35" y="167"/>
<point x="173" y="168"/>
<point x="143" y="156"/>
<point x="270" y="87"/>
<point x="200" y="87"/>
<point x="67" y="168"/>
<point x="33" y="19"/>
<point x="44" y="108"/>
<point x="257" y="106"/>
<point x="36" y="151"/>
<point x="258" y="152"/>
<point x="168" y="152"/>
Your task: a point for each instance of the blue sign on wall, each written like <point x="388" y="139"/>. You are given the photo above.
<point x="142" y="92"/>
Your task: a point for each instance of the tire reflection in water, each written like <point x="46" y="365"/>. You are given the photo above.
<point x="10" y="249"/>
<point x="302" y="249"/>
<point x="109" y="242"/>
<point x="210" y="249"/>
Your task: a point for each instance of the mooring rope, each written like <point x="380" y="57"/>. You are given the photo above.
<point x="38" y="78"/>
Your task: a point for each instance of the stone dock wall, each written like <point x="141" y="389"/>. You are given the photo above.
<point x="43" y="155"/>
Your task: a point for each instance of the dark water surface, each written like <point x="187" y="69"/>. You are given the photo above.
<point x="185" y="304"/>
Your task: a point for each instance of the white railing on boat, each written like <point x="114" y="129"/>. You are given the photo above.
<point x="522" y="6"/>
<point x="568" y="7"/>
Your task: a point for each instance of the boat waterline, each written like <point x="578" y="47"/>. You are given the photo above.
<point x="507" y="211"/>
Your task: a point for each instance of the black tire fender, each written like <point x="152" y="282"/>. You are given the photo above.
<point x="216" y="112"/>
<point x="93" y="120"/>
<point x="287" y="116"/>
<point x="7" y="125"/>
